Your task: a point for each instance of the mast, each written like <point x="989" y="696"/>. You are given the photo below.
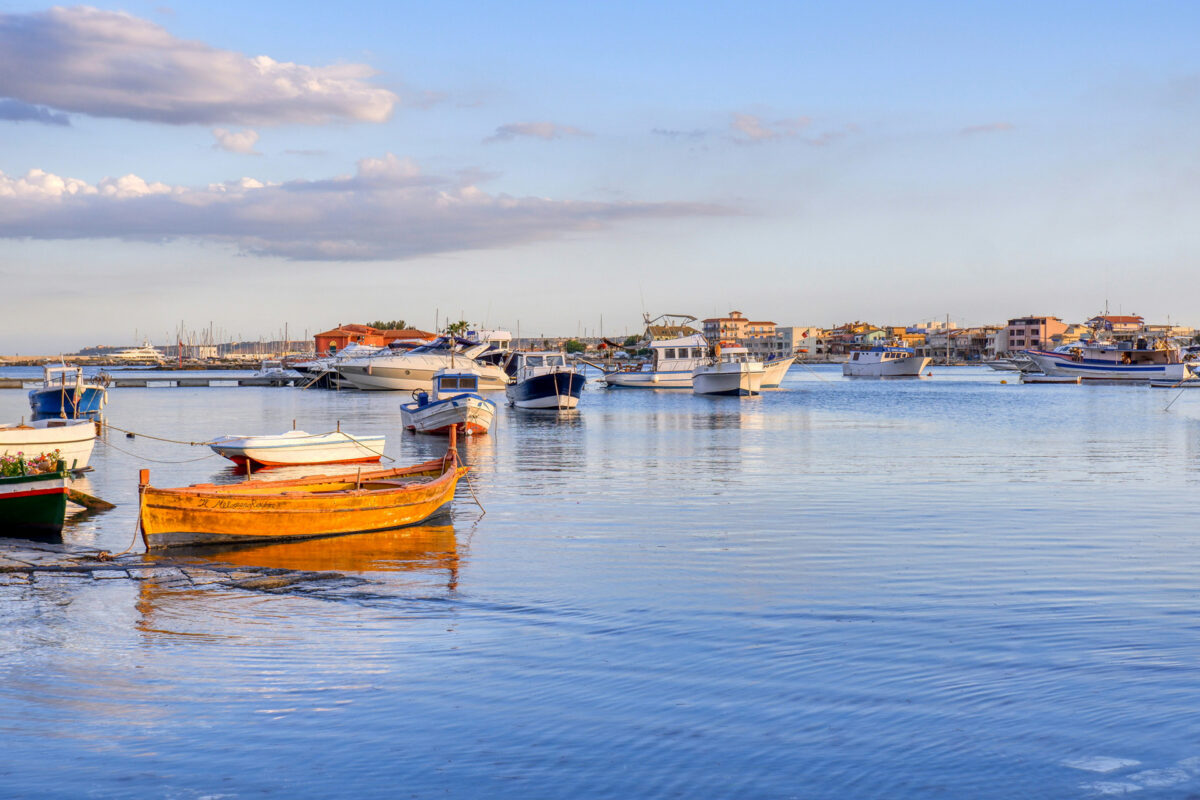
<point x="947" y="340"/>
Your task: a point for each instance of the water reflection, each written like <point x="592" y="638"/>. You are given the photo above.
<point x="418" y="547"/>
<point x="192" y="587"/>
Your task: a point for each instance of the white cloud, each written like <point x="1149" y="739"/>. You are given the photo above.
<point x="242" y="141"/>
<point x="751" y="129"/>
<point x="535" y="130"/>
<point x="113" y="64"/>
<point x="754" y="129"/>
<point x="387" y="210"/>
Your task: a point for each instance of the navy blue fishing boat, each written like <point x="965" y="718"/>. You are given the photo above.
<point x="542" y="380"/>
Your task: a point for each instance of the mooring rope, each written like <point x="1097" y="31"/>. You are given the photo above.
<point x="157" y="460"/>
<point x="214" y="441"/>
<point x="159" y="438"/>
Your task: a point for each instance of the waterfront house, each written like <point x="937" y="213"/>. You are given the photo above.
<point x="343" y="335"/>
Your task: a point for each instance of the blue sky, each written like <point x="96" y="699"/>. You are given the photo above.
<point x="549" y="165"/>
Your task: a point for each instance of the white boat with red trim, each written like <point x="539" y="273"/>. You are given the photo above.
<point x="298" y="447"/>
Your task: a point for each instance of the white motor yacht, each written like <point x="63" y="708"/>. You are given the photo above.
<point x="406" y="370"/>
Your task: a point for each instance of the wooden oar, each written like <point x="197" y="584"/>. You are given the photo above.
<point x="88" y="501"/>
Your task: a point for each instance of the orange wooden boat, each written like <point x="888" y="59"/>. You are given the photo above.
<point x="318" y="505"/>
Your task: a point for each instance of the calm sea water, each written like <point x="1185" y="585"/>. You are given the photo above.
<point x="843" y="589"/>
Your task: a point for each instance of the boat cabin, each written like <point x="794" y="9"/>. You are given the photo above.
<point x="57" y="376"/>
<point x="678" y="355"/>
<point x="521" y="360"/>
<point x="731" y="354"/>
<point x="1140" y="351"/>
<point x="454" y="383"/>
<point x="882" y="353"/>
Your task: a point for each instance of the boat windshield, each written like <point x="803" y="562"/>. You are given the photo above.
<point x="458" y="383"/>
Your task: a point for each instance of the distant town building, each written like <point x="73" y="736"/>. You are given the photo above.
<point x="736" y="328"/>
<point x="1116" y="323"/>
<point x="1027" y="332"/>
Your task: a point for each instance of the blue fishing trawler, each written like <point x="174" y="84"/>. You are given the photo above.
<point x="66" y="393"/>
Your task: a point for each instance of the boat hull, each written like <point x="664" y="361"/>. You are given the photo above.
<point x="377" y="378"/>
<point x="69" y="403"/>
<point x="466" y="414"/>
<point x="33" y="506"/>
<point x="1064" y="364"/>
<point x="910" y="367"/>
<point x="728" y="383"/>
<point x="774" y="370"/>
<point x="286" y="451"/>
<point x="556" y="390"/>
<point x="262" y="511"/>
<point x="73" y="440"/>
<point x="648" y="380"/>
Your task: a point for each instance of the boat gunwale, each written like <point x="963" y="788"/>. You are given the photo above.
<point x="438" y="466"/>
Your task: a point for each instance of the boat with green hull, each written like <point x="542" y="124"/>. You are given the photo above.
<point x="33" y="506"/>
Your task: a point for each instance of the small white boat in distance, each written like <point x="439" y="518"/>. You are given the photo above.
<point x="455" y="403"/>
<point x="774" y="369"/>
<point x="273" y="368"/>
<point x="296" y="448"/>
<point x="731" y="372"/>
<point x="885" y="361"/>
<point x="73" y="439"/>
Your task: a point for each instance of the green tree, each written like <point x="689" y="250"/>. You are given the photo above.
<point x="575" y="346"/>
<point x="389" y="325"/>
<point x="458" y="328"/>
<point x="630" y="341"/>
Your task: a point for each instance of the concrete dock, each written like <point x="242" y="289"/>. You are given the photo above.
<point x="166" y="382"/>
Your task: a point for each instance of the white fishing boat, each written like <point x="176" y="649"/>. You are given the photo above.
<point x="774" y="369"/>
<point x="73" y="439"/>
<point x="671" y="364"/>
<point x="885" y="361"/>
<point x="542" y="380"/>
<point x="409" y="370"/>
<point x="453" y="404"/>
<point x="299" y="447"/>
<point x="1141" y="360"/>
<point x="730" y="372"/>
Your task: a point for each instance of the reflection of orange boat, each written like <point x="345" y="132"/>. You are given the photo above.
<point x="319" y="505"/>
<point x="417" y="547"/>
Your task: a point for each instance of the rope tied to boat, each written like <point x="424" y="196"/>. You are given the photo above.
<point x="215" y="441"/>
<point x="108" y="424"/>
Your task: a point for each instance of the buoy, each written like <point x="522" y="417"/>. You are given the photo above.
<point x="1004" y="381"/>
